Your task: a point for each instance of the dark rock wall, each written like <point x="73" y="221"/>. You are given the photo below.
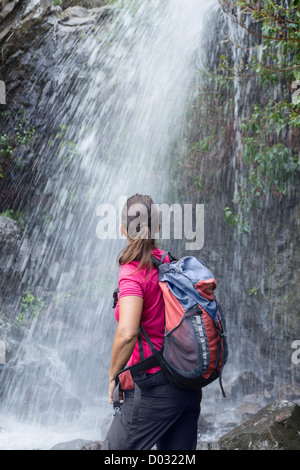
<point x="257" y="273"/>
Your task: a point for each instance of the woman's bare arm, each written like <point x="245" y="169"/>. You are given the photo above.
<point x="130" y="312"/>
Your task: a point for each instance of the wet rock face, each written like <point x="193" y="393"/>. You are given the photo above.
<point x="10" y="235"/>
<point x="2" y="353"/>
<point x="274" y="427"/>
<point x="7" y="6"/>
<point x="84" y="3"/>
<point x="18" y="19"/>
<point x="78" y="16"/>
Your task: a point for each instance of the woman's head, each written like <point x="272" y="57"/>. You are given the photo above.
<point x="140" y="223"/>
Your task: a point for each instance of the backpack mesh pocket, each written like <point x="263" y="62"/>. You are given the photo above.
<point x="182" y="350"/>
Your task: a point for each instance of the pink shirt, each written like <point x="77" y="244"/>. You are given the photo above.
<point x="141" y="284"/>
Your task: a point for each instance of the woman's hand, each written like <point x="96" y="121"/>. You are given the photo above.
<point x="111" y="388"/>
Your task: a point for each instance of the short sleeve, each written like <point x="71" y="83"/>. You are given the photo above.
<point x="129" y="284"/>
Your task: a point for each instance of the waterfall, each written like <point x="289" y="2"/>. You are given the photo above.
<point x="112" y="102"/>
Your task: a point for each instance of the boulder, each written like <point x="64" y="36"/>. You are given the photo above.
<point x="274" y="427"/>
<point x="93" y="445"/>
<point x="17" y="25"/>
<point x="76" y="444"/>
<point x="7" y="6"/>
<point x="10" y="235"/>
<point x="208" y="446"/>
<point x="77" y="16"/>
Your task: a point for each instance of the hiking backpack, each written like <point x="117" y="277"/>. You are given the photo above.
<point x="194" y="349"/>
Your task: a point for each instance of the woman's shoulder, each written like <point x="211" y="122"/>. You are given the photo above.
<point x="128" y="269"/>
<point x="131" y="268"/>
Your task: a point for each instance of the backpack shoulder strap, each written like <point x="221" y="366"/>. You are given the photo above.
<point x="156" y="355"/>
<point x="145" y="334"/>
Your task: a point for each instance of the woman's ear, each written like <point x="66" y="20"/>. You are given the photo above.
<point x="122" y="230"/>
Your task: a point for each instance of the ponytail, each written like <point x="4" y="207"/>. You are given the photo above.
<point x="138" y="219"/>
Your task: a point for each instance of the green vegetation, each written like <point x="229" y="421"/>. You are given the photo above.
<point x="18" y="216"/>
<point x="274" y="30"/>
<point x="270" y="150"/>
<point x="31" y="307"/>
<point x="256" y="134"/>
<point x="271" y="163"/>
<point x="270" y="138"/>
<point x="266" y="71"/>
<point x="237" y="221"/>
<point x="10" y="142"/>
<point x="253" y="291"/>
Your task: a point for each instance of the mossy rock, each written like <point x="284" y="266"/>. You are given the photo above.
<point x="274" y="427"/>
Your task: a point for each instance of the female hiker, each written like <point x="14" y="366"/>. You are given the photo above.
<point x="163" y="415"/>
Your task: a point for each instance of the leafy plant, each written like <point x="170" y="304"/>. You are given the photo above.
<point x="6" y="145"/>
<point x="237" y="221"/>
<point x="270" y="129"/>
<point x="274" y="28"/>
<point x="21" y="135"/>
<point x="31" y="306"/>
<point x="271" y="164"/>
<point x="253" y="291"/>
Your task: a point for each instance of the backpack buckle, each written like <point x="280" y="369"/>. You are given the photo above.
<point x="220" y="329"/>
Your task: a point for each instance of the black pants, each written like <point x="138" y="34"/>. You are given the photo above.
<point x="166" y="416"/>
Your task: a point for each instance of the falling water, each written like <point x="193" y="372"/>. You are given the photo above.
<point x="113" y="101"/>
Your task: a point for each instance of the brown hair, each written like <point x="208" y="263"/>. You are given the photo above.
<point x="140" y="220"/>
